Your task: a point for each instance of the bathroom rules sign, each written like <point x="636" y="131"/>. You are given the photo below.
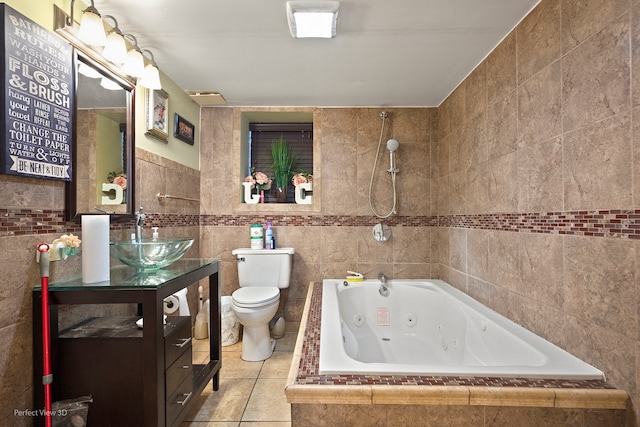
<point x="36" y="122"/>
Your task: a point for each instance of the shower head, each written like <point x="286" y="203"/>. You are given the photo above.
<point x="392" y="145"/>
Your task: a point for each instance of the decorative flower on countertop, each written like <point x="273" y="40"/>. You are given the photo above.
<point x="118" y="178"/>
<point x="301" y="178"/>
<point x="70" y="240"/>
<point x="259" y="179"/>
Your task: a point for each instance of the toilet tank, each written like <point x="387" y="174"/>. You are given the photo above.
<point x="264" y="267"/>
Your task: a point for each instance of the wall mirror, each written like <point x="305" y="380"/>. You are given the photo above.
<point x="103" y="138"/>
<point x="103" y="142"/>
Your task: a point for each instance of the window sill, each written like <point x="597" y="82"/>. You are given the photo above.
<point x="277" y="208"/>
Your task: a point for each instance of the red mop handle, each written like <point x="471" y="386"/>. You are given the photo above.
<point x="47" y="377"/>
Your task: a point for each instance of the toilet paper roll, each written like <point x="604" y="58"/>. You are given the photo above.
<point x="177" y="302"/>
<point x="171" y="304"/>
<point x="95" y="248"/>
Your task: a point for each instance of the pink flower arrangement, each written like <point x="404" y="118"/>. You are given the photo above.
<point x="260" y="180"/>
<point x="118" y="178"/>
<point x="121" y="180"/>
<point x="301" y="178"/>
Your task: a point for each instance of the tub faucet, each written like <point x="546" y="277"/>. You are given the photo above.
<point x="139" y="223"/>
<point x="384" y="289"/>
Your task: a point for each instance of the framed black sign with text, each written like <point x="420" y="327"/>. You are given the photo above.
<point x="38" y="81"/>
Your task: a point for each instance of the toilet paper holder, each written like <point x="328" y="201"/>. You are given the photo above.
<point x="177" y="302"/>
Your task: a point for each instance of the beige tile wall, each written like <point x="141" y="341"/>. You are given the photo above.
<point x="552" y="121"/>
<point x="20" y="273"/>
<point x="349" y="139"/>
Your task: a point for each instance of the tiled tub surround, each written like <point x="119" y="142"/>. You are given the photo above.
<point x="398" y="400"/>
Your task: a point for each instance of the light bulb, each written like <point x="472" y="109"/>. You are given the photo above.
<point x="134" y="65"/>
<point x="91" y="28"/>
<point x="116" y="48"/>
<point x="151" y="77"/>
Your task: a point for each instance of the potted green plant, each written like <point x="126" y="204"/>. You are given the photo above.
<point x="282" y="167"/>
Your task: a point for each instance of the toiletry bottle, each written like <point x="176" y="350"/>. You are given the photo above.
<point x="155" y="233"/>
<point x="268" y="237"/>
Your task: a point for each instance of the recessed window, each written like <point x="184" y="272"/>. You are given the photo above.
<point x="252" y="142"/>
<point x="299" y="138"/>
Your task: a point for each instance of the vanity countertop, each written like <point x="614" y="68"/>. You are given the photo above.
<point x="125" y="277"/>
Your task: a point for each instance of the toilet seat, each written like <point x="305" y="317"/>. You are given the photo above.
<point x="255" y="296"/>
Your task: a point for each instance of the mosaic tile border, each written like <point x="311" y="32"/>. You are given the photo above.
<point x="308" y="370"/>
<point x="623" y="224"/>
<point x="22" y="222"/>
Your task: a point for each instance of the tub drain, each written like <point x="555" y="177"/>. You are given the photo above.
<point x="386" y="339"/>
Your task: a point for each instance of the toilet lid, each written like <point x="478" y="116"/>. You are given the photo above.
<point x="255" y="295"/>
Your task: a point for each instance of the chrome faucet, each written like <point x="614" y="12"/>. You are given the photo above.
<point x="139" y="223"/>
<point x="384" y="289"/>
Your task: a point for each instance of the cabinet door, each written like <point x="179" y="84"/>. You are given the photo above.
<point x="108" y="369"/>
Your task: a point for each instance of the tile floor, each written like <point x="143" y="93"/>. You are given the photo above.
<point x="251" y="394"/>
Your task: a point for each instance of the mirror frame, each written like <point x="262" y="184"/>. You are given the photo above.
<point x="94" y="58"/>
<point x="71" y="188"/>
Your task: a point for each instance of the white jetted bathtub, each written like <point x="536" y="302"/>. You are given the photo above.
<point x="427" y="327"/>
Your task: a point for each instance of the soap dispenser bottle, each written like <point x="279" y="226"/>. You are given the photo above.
<point x="155" y="234"/>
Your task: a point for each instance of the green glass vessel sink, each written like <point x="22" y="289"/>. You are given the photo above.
<point x="150" y="255"/>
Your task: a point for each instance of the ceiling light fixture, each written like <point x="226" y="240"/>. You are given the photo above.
<point x="151" y="75"/>
<point x="91" y="26"/>
<point x="115" y="49"/>
<point x="134" y="65"/>
<point x="312" y="19"/>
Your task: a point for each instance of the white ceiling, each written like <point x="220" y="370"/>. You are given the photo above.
<point x="386" y="53"/>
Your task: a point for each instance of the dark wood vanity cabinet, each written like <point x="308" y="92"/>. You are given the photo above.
<point x="102" y="357"/>
<point x="137" y="377"/>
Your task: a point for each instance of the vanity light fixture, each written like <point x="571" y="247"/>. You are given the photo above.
<point x="134" y="65"/>
<point x="151" y="76"/>
<point x="130" y="61"/>
<point x="312" y="19"/>
<point x="91" y="26"/>
<point x="115" y="49"/>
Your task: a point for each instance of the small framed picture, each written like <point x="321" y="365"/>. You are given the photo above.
<point x="157" y="105"/>
<point x="183" y="130"/>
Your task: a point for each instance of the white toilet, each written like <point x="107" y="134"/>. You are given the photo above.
<point x="261" y="274"/>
